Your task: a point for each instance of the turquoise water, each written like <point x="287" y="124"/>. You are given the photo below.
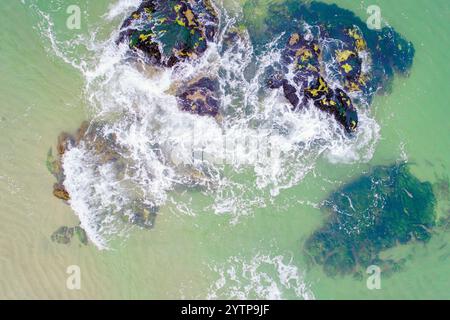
<point x="200" y="247"/>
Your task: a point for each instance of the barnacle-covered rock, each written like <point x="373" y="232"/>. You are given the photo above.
<point x="372" y="214"/>
<point x="349" y="57"/>
<point x="169" y="31"/>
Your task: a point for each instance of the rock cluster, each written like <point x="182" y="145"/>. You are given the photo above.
<point x="166" y="33"/>
<point x="330" y="57"/>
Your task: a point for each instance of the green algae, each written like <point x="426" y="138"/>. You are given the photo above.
<point x="376" y="212"/>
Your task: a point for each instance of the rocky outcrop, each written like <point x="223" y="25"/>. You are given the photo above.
<point x="327" y="41"/>
<point x="167" y="32"/>
<point x="302" y="59"/>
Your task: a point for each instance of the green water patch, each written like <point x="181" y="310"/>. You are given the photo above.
<point x="376" y="212"/>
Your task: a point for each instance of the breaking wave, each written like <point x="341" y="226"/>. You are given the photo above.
<point x="263" y="277"/>
<point x="255" y="150"/>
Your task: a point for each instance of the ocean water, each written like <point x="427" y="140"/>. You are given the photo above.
<point x="240" y="239"/>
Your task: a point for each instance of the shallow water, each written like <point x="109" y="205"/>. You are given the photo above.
<point x="247" y="242"/>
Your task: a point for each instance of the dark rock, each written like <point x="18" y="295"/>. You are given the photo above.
<point x="305" y="58"/>
<point x="170" y="31"/>
<point x="200" y="98"/>
<point x="290" y="92"/>
<point x="387" y="50"/>
<point x="335" y="102"/>
<point x="142" y="215"/>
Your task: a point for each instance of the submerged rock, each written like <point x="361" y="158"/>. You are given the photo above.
<point x="167" y="32"/>
<point x="105" y="150"/>
<point x="142" y="215"/>
<point x="65" y="234"/>
<point x="81" y="234"/>
<point x="376" y="212"/>
<point x="53" y="164"/>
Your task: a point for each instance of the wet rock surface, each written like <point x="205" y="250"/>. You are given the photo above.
<point x="200" y="97"/>
<point x="167" y="32"/>
<point x="302" y="62"/>
<point x="376" y="212"/>
<point x="328" y="42"/>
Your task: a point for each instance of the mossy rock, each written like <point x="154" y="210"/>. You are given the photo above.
<point x="376" y="212"/>
<point x="169" y="31"/>
<point x="332" y="43"/>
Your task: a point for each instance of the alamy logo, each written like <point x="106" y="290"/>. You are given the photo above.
<point x="374" y="20"/>
<point x="73" y="282"/>
<point x="73" y="22"/>
<point x="374" y="280"/>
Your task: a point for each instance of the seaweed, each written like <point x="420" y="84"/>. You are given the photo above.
<point x="378" y="211"/>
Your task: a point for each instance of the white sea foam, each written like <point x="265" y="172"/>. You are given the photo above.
<point x="268" y="147"/>
<point x="263" y="277"/>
